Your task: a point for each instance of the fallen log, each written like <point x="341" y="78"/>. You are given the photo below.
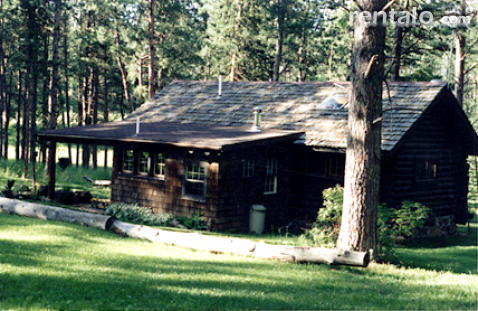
<point x="47" y="212"/>
<point x="98" y="183"/>
<point x="262" y="250"/>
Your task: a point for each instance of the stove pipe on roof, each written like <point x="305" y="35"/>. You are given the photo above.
<point x="257" y="120"/>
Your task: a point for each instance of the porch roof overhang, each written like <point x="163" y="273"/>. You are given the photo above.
<point x="183" y="135"/>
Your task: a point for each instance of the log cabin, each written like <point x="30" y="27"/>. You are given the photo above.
<point x="199" y="147"/>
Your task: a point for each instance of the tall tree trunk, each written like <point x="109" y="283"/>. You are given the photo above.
<point x="151" y="74"/>
<point x="233" y="71"/>
<point x="397" y="57"/>
<point x="67" y="88"/>
<point x="19" y="115"/>
<point x="281" y="9"/>
<point x="52" y="101"/>
<point x="122" y="68"/>
<point x="330" y="61"/>
<point x="7" y="113"/>
<point x="44" y="102"/>
<point x="362" y="170"/>
<point x="105" y="105"/>
<point x="460" y="58"/>
<point x="96" y="87"/>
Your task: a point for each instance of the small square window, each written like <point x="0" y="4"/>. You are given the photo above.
<point x="159" y="165"/>
<point x="270" y="186"/>
<point x="248" y="167"/>
<point x="128" y="161"/>
<point x="143" y="163"/>
<point x="426" y="170"/>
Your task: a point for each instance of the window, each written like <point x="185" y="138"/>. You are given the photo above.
<point x="248" y="168"/>
<point x="271" y="177"/>
<point x="159" y="165"/>
<point x="128" y="161"/>
<point x="426" y="169"/>
<point x="195" y="180"/>
<point x="334" y="167"/>
<point x="143" y="163"/>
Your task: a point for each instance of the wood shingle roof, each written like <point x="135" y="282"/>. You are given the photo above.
<point x="286" y="106"/>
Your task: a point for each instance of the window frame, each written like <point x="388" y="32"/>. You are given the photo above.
<point x="426" y="169"/>
<point x="333" y="167"/>
<point x="123" y="170"/>
<point x="154" y="163"/>
<point x="148" y="164"/>
<point x="272" y="168"/>
<point x="189" y="196"/>
<point x="248" y="168"/>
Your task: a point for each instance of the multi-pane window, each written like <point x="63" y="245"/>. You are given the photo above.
<point x="159" y="165"/>
<point x="128" y="161"/>
<point x="270" y="186"/>
<point x="143" y="163"/>
<point x="334" y="167"/>
<point x="426" y="169"/>
<point x="195" y="180"/>
<point x="248" y="168"/>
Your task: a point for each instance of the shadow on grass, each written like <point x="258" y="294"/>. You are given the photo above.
<point x="456" y="253"/>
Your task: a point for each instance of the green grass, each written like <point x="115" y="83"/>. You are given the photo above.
<point x="70" y="178"/>
<point x="50" y="265"/>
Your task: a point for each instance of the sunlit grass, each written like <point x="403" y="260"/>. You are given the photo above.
<point x="61" y="266"/>
<point x="71" y="178"/>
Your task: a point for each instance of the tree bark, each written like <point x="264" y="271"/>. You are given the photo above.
<point x="151" y="74"/>
<point x="362" y="173"/>
<point x="52" y="101"/>
<point x="397" y="57"/>
<point x="105" y="106"/>
<point x="281" y="8"/>
<point x="122" y="68"/>
<point x="46" y="212"/>
<point x="7" y="113"/>
<point x="460" y="58"/>
<point x="19" y="115"/>
<point x="233" y="71"/>
<point x="67" y="88"/>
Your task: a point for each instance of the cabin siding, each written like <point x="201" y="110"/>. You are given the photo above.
<point x="165" y="196"/>
<point x="429" y="140"/>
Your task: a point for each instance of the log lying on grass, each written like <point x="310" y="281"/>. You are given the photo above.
<point x="47" y="212"/>
<point x="194" y="241"/>
<point x="243" y="247"/>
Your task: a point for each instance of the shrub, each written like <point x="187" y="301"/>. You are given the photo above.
<point x="194" y="222"/>
<point x="391" y="224"/>
<point x="137" y="214"/>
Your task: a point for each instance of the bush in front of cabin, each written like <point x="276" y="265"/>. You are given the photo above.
<point x="138" y="215"/>
<point x="392" y="224"/>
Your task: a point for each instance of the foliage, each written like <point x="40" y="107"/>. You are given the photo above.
<point x="137" y="214"/>
<point x="99" y="270"/>
<point x="144" y="216"/>
<point x="408" y="218"/>
<point x="392" y="224"/>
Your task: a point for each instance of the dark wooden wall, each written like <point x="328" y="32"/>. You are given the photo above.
<point x="432" y="138"/>
<point x="165" y="196"/>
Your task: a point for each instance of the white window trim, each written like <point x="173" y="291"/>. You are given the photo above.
<point x="159" y="176"/>
<point x="191" y="197"/>
<point x="274" y="191"/>
<point x="123" y="170"/>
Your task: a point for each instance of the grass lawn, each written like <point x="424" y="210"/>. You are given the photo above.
<point x="61" y="266"/>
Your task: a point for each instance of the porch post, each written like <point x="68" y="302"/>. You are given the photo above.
<point x="51" y="170"/>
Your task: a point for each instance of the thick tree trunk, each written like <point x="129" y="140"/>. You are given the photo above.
<point x="281" y="8"/>
<point x="151" y="74"/>
<point x="96" y="87"/>
<point x="122" y="68"/>
<point x="45" y="97"/>
<point x="52" y="101"/>
<point x="362" y="171"/>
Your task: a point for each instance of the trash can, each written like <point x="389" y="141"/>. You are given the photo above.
<point x="257" y="217"/>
